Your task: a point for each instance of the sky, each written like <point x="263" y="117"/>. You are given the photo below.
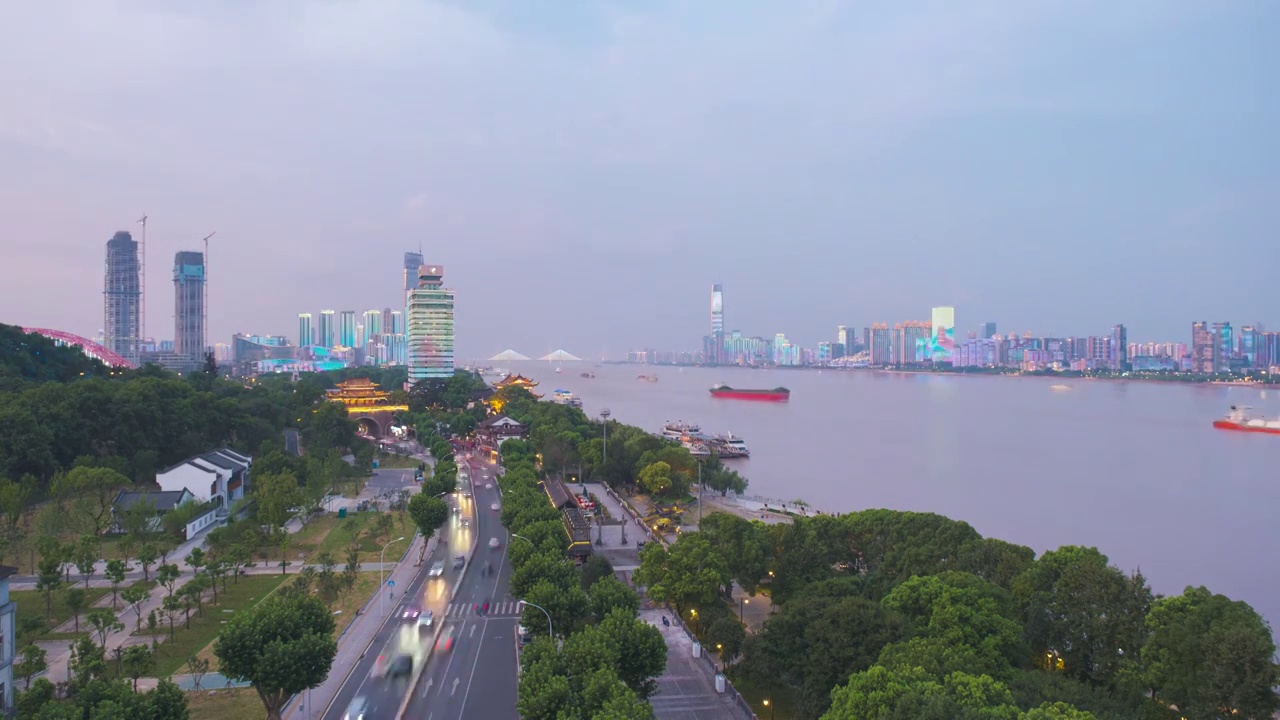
<point x="585" y="171"/>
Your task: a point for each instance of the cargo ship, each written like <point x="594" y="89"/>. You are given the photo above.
<point x="1241" y="420"/>
<point x="775" y="395"/>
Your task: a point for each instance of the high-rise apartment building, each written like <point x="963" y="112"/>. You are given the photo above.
<point x="373" y="323"/>
<point x="944" y="333"/>
<point x="430" y="326"/>
<point x="1249" y="346"/>
<point x="122" y="296"/>
<point x="395" y="325"/>
<point x="1119" y="349"/>
<point x="306" y="331"/>
<point x="188" y="313"/>
<point x="1201" y="349"/>
<point x="1269" y="349"/>
<point x="881" y="344"/>
<point x="347" y="328"/>
<point x="412" y="261"/>
<point x="988" y="330"/>
<point x="328" y="332"/>
<point x="716" y="346"/>
<point x="1223" y="347"/>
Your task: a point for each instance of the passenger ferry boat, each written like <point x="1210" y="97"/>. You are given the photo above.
<point x="695" y="446"/>
<point x="678" y="430"/>
<point x="564" y="397"/>
<point x="647" y="378"/>
<point x="730" y="446"/>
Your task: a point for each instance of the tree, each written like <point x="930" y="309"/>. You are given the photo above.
<point x="135" y="596"/>
<point x="103" y="622"/>
<point x="139" y="661"/>
<point x="1206" y="653"/>
<point x="1079" y="608"/>
<point x="92" y="490"/>
<point x="690" y="573"/>
<point x="197" y="668"/>
<point x="746" y="546"/>
<point x="567" y="606"/>
<point x="655" y="478"/>
<point x="428" y="514"/>
<point x="608" y="594"/>
<point x="48" y="579"/>
<point x="76" y="600"/>
<point x="115" y="573"/>
<point x="596" y="567"/>
<point x="642" y="651"/>
<point x="726" y="635"/>
<point x="29" y="626"/>
<point x="87" y="557"/>
<point x="277" y="495"/>
<point x="1056" y="711"/>
<point x="283" y="646"/>
<point x="167" y="575"/>
<point x="723" y="480"/>
<point x="147" y="556"/>
<point x="328" y="427"/>
<point x="32" y="663"/>
<point x="910" y="693"/>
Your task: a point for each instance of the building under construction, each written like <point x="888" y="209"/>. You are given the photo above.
<point x="122" y="295"/>
<point x="188" y="314"/>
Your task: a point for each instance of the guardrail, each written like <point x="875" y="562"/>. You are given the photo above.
<point x="715" y="669"/>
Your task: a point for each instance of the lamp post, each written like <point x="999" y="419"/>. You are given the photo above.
<point x="770" y="706"/>
<point x="550" y="628"/>
<point x="381" y="582"/>
<point x="741" y="602"/>
<point x="604" y="460"/>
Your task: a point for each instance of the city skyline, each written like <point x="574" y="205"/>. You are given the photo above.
<point x="1053" y="168"/>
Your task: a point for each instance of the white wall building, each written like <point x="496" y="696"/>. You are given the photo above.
<point x="429" y="322"/>
<point x="220" y="476"/>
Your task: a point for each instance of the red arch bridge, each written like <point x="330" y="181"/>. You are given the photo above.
<point x="89" y="347"/>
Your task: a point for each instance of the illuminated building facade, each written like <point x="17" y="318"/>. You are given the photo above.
<point x="430" y="326"/>
<point x="347" y="329"/>
<point x="327" y="330"/>
<point x="1223" y="346"/>
<point x="716" y="351"/>
<point x="368" y="405"/>
<point x="944" y="334"/>
<point x="306" y="331"/>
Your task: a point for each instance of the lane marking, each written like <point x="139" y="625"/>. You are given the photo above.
<point x="471" y="679"/>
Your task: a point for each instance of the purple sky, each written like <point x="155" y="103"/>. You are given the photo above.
<point x="586" y="171"/>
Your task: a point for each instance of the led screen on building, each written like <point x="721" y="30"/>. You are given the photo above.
<point x="943" y="339"/>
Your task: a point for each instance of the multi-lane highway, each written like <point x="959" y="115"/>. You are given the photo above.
<point x="478" y="677"/>
<point x="475" y="674"/>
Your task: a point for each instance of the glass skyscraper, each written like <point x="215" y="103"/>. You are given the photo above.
<point x="327" y="335"/>
<point x="347" y="330"/>
<point x="306" y="331"/>
<point x="188" y="315"/>
<point x="430" y="326"/>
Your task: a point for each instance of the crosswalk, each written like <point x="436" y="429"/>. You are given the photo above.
<point x="496" y="609"/>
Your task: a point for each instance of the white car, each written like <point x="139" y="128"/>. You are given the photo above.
<point x="437" y="570"/>
<point x="495" y="507"/>
<point x="493" y="543"/>
<point x="488" y="486"/>
<point x="426" y="619"/>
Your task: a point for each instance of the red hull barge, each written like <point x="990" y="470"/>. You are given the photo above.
<point x="727" y="393"/>
<point x="1240" y="419"/>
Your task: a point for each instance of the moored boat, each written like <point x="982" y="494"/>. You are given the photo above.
<point x="588" y="375"/>
<point x="780" y="394"/>
<point x="730" y="446"/>
<point x="678" y="430"/>
<point x="564" y="397"/>
<point x="647" y="378"/>
<point x="1241" y="419"/>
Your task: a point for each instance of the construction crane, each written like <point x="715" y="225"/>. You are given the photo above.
<point x="204" y="304"/>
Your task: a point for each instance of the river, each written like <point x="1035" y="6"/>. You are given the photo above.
<point x="1133" y="468"/>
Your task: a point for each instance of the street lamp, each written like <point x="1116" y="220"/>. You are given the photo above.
<point x="741" y="602"/>
<point x="550" y="629"/>
<point x="604" y="460"/>
<point x="381" y="558"/>
<point x="770" y="706"/>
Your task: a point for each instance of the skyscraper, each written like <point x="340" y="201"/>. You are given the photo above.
<point x="412" y="261"/>
<point x="306" y="331"/>
<point x="988" y="330"/>
<point x="880" y="343"/>
<point x="188" y="313"/>
<point x="944" y="333"/>
<point x="1223" y="347"/>
<point x="396" y="324"/>
<point x="373" y="323"/>
<point x="1249" y="346"/>
<point x="430" y="326"/>
<point x="717" y="324"/>
<point x="122" y="293"/>
<point x="347" y="328"/>
<point x="1201" y="348"/>
<point x="1119" y="349"/>
<point x="327" y="334"/>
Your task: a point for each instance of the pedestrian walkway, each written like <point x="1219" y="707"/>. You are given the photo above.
<point x="686" y="689"/>
<point x="496" y="610"/>
<point x="355" y="640"/>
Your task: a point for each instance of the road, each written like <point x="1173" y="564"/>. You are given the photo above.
<point x="446" y="680"/>
<point x="478" y="678"/>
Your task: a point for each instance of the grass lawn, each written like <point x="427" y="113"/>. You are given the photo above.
<point x="172" y="654"/>
<point x="783" y="699"/>
<point x="31" y="603"/>
<point x="336" y="542"/>
<point x="398" y="461"/>
<point x="238" y="703"/>
<point x="344" y="612"/>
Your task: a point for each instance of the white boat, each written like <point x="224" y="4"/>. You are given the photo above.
<point x="678" y="430"/>
<point x="730" y="446"/>
<point x="696" y="448"/>
<point x="564" y="397"/>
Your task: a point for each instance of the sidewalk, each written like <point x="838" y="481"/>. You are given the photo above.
<point x="355" y="640"/>
<point x="686" y="689"/>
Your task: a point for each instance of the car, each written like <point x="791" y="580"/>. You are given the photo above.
<point x="410" y="613"/>
<point x="445" y="642"/>
<point x="494" y="543"/>
<point x="437" y="569"/>
<point x="523" y="636"/>
<point x="466" y="522"/>
<point x="459" y="562"/>
<point x="401" y="666"/>
<point x="495" y="507"/>
<point x="488" y="486"/>
<point x="426" y="619"/>
<point x="357" y="708"/>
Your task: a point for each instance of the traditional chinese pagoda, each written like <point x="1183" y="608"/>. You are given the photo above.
<point x="367" y="404"/>
<point x="519" y="381"/>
